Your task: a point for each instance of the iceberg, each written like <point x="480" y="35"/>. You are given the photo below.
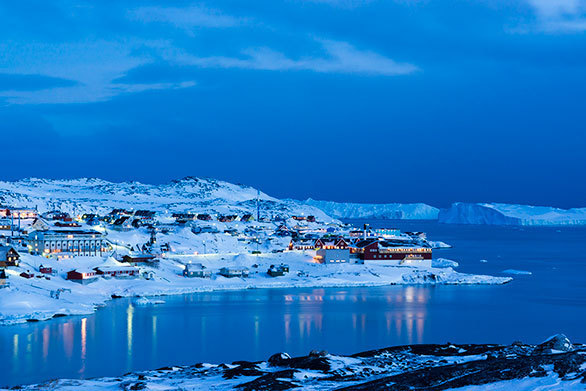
<point x="343" y="210"/>
<point x="511" y="214"/>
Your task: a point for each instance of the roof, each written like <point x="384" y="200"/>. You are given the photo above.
<point x="194" y="267"/>
<point x="365" y="242"/>
<point x="82" y="270"/>
<point x="114" y="268"/>
<point x="5" y="249"/>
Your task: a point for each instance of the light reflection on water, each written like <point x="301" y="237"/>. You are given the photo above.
<point x="123" y="337"/>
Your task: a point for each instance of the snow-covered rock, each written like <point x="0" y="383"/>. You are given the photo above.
<point x="509" y="214"/>
<point x="340" y="210"/>
<point x="519" y="367"/>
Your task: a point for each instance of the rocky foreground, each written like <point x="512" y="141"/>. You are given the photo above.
<point x="555" y="364"/>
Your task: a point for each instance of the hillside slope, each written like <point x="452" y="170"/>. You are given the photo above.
<point x="200" y="195"/>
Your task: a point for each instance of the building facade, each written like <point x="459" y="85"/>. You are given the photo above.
<point x="67" y="243"/>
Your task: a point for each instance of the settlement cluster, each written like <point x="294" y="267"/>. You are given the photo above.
<point x="57" y="235"/>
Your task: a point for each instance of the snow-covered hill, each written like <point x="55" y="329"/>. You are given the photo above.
<point x="200" y="195"/>
<point x="507" y="214"/>
<point x="375" y="211"/>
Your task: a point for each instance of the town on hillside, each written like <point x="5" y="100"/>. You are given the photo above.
<point x="55" y="235"/>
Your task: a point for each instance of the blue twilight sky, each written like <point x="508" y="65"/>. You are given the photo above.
<point x="347" y="100"/>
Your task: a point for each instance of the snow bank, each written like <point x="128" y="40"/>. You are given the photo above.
<point x="375" y="211"/>
<point x="508" y="214"/>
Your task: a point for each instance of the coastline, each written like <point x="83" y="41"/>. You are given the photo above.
<point x="555" y="364"/>
<point x="30" y="301"/>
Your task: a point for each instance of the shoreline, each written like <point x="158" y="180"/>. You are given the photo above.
<point x="30" y="318"/>
<point x="555" y="364"/>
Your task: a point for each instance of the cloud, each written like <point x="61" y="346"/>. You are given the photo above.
<point x="20" y="82"/>
<point x="186" y="18"/>
<point x="340" y="57"/>
<point x="560" y="16"/>
<point x="92" y="69"/>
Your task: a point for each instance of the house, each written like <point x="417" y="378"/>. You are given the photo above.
<point x="45" y="270"/>
<point x="5" y="224"/>
<point x="67" y="224"/>
<point x="8" y="256"/>
<point x="116" y="214"/>
<point x="302" y="244"/>
<point x="331" y="242"/>
<point x="117" y="271"/>
<point x="384" y="250"/>
<point x="196" y="270"/>
<point x="67" y="243"/>
<point x="28" y="274"/>
<point x="277" y="271"/>
<point x="140" y="259"/>
<point x="93" y="221"/>
<point x="182" y="218"/>
<point x="247" y="217"/>
<point x="311" y="219"/>
<point x="234" y="271"/>
<point x="227" y="218"/>
<point x="207" y="229"/>
<point x="334" y="255"/>
<point x="19" y="213"/>
<point x="39" y="224"/>
<point x="82" y="276"/>
<point x="89" y="216"/>
<point x="299" y="218"/>
<point x="123" y="223"/>
<point x="57" y="215"/>
<point x="283" y="230"/>
<point x="145" y="214"/>
<point x="204" y="217"/>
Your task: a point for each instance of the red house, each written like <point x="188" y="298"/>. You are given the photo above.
<point x="331" y="243"/>
<point x="82" y="276"/>
<point x="45" y="270"/>
<point x="117" y="271"/>
<point x="373" y="249"/>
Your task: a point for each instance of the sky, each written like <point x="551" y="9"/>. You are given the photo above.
<point x="345" y="100"/>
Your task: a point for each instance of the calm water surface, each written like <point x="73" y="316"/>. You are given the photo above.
<point x="251" y="325"/>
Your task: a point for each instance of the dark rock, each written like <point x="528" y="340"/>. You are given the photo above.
<point x="318" y="353"/>
<point x="271" y="381"/>
<point x="278" y="359"/>
<point x="244" y="369"/>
